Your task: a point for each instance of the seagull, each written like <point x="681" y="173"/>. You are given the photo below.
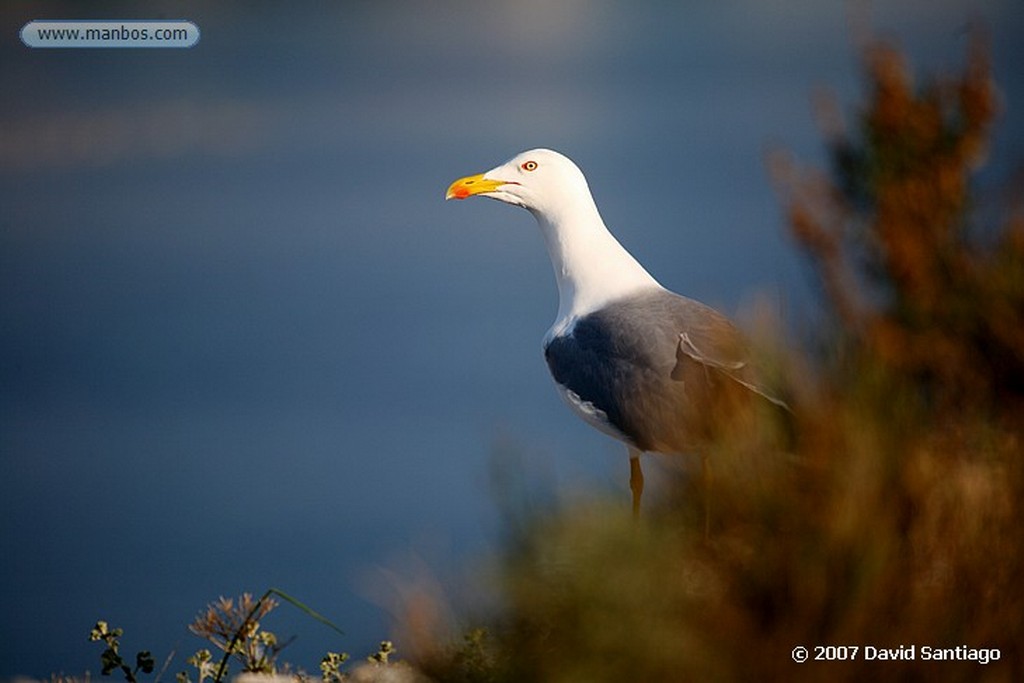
<point x="653" y="369"/>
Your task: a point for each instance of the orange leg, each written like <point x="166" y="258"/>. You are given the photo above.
<point x="705" y="471"/>
<point x="636" y="480"/>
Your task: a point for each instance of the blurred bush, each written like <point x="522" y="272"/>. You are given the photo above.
<point x="931" y="293"/>
<point x="886" y="510"/>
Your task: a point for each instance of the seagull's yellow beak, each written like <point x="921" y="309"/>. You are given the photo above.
<point x="471" y="185"/>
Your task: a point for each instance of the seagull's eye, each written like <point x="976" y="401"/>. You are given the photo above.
<point x="529" y="166"/>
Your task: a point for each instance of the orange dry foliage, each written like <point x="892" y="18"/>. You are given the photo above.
<point x="909" y="274"/>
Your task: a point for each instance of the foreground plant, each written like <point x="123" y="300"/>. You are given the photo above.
<point x="202" y="660"/>
<point x="111" y="658"/>
<point x="330" y="667"/>
<point x="233" y="626"/>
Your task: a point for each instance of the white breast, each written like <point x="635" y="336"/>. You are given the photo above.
<point x="591" y="414"/>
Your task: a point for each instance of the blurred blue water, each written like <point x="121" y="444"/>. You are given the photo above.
<point x="243" y="341"/>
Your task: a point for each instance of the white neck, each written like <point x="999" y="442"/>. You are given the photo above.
<point x="591" y="267"/>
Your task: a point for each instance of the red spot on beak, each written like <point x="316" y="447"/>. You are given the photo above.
<point x="460" y="192"/>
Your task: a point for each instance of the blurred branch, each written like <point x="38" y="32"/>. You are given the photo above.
<point x="910" y="277"/>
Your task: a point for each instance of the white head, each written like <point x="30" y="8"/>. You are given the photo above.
<point x="541" y="180"/>
<point x="591" y="267"/>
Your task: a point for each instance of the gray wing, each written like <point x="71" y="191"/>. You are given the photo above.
<point x="663" y="368"/>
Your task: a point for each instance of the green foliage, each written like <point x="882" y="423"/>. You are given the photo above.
<point x="330" y="667"/>
<point x="111" y="658"/>
<point x="387" y="648"/>
<point x="202" y="660"/>
<point x="233" y="626"/>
